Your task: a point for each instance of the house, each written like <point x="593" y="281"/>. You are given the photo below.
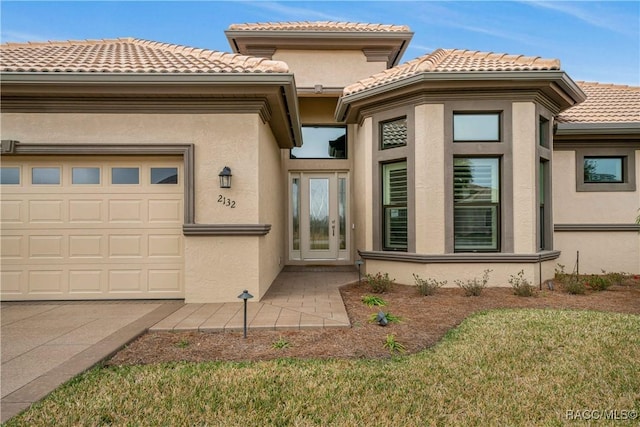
<point x="114" y="154"/>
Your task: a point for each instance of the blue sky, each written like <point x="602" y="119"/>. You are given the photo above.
<point x="595" y="41"/>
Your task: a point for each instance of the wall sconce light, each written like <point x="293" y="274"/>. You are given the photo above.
<point x="225" y="177"/>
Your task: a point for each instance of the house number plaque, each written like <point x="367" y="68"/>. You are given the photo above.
<point x="226" y="201"/>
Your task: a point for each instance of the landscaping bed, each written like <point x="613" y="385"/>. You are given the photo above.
<point x="423" y="322"/>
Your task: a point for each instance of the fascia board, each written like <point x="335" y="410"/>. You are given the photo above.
<point x="558" y="77"/>
<point x="598" y="128"/>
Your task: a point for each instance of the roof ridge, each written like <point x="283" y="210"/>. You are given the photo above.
<point x="315" y="25"/>
<point x="607" y="85"/>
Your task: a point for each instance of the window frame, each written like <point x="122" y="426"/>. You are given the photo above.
<point x="386" y="206"/>
<point x="496" y="205"/>
<point x="628" y="169"/>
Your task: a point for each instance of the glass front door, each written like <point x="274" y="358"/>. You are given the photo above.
<point x="318" y="216"/>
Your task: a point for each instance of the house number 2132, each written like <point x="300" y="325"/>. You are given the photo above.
<point x="226" y="202"/>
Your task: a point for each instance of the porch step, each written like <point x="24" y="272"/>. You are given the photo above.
<point x="319" y="268"/>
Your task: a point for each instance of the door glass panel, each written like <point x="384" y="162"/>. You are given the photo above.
<point x="295" y="214"/>
<point x="342" y="211"/>
<point x="319" y="213"/>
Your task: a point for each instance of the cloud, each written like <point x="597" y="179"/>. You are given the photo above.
<point x="297" y="13"/>
<point x="8" y="35"/>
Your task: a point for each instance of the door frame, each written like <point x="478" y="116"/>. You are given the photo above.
<point x="301" y="181"/>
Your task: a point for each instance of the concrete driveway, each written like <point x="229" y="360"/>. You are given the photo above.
<point x="44" y="344"/>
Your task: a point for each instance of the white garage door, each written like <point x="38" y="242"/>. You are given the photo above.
<point x="92" y="228"/>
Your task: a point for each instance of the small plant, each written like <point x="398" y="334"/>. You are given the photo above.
<point x="379" y="283"/>
<point x="473" y="287"/>
<point x="183" y="343"/>
<point x="427" y="286"/>
<point x="373" y="301"/>
<point x="560" y="275"/>
<point x="616" y="278"/>
<point x="280" y="344"/>
<point x="521" y="286"/>
<point x="391" y="318"/>
<point x="597" y="283"/>
<point x="393" y="345"/>
<point x="574" y="286"/>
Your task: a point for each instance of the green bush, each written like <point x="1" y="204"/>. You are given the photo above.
<point x="379" y="283"/>
<point x="574" y="286"/>
<point x="427" y="286"/>
<point x="616" y="278"/>
<point x="521" y="286"/>
<point x="393" y="345"/>
<point x="473" y="287"/>
<point x="373" y="301"/>
<point x="597" y="283"/>
<point x="560" y="275"/>
<point x="280" y="344"/>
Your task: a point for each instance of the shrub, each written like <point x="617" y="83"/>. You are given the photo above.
<point x="597" y="283"/>
<point x="391" y="318"/>
<point x="521" y="285"/>
<point x="373" y="301"/>
<point x="379" y="283"/>
<point x="427" y="286"/>
<point x="393" y="345"/>
<point x="473" y="287"/>
<point x="574" y="286"/>
<point x="616" y="278"/>
<point x="560" y="275"/>
<point x="280" y="343"/>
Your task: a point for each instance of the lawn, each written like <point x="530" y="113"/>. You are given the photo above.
<point x="499" y="367"/>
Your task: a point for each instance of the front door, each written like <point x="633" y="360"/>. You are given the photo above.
<point x="318" y="220"/>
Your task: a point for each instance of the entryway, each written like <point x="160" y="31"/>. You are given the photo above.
<point x="318" y="216"/>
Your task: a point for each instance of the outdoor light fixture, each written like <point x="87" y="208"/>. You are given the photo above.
<point x="225" y="177"/>
<point x="381" y="318"/>
<point x="359" y="264"/>
<point x="245" y="295"/>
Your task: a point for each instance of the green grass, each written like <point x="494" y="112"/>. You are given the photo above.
<point x="502" y="367"/>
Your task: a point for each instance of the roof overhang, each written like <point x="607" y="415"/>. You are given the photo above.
<point x="579" y="129"/>
<point x="377" y="46"/>
<point x="272" y="95"/>
<point x="557" y="86"/>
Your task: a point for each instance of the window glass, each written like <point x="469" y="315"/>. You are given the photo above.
<point x="9" y="175"/>
<point x="85" y="175"/>
<point x="476" y="195"/>
<point x="394" y="207"/>
<point x="543" y="131"/>
<point x="342" y="211"/>
<point x="164" y="175"/>
<point x="47" y="176"/>
<point x="295" y="208"/>
<point x="125" y="175"/>
<point x="603" y="169"/>
<point x="393" y="133"/>
<point x="476" y="127"/>
<point x="322" y="142"/>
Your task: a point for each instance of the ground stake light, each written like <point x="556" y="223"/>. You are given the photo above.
<point x="381" y="318"/>
<point x="245" y="295"/>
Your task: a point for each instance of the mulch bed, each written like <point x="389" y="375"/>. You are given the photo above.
<point x="425" y="320"/>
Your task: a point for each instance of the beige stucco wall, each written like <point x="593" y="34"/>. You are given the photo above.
<point x="429" y="180"/>
<point x="217" y="268"/>
<point x="362" y="186"/>
<point x="329" y="68"/>
<point x="524" y="177"/>
<point x="599" y="250"/>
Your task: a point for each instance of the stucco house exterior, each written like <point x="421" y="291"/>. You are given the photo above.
<point x="444" y="166"/>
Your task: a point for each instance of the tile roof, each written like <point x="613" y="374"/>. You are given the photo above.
<point x="606" y="103"/>
<point x="328" y="26"/>
<point x="127" y="55"/>
<point x="452" y="60"/>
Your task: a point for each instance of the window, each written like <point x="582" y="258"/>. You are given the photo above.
<point x="125" y="176"/>
<point x="476" y="197"/>
<point x="543" y="214"/>
<point x="543" y="132"/>
<point x="46" y="176"/>
<point x="295" y="208"/>
<point x="85" y="175"/>
<point x="603" y="170"/>
<point x="476" y="127"/>
<point x="393" y="133"/>
<point x="164" y="175"/>
<point x="322" y="142"/>
<point x="9" y="175"/>
<point x="394" y="195"/>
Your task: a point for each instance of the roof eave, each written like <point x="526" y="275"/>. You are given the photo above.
<point x="286" y="125"/>
<point x="567" y="92"/>
<point x="621" y="128"/>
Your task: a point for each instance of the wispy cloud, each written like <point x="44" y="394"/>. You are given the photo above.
<point x="8" y="35"/>
<point x="592" y="13"/>
<point x="297" y="13"/>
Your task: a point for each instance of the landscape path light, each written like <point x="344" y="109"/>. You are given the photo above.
<point x="245" y="295"/>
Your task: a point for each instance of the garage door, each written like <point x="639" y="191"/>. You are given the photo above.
<point x="92" y="228"/>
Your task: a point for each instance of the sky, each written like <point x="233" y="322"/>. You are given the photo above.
<point x="595" y="41"/>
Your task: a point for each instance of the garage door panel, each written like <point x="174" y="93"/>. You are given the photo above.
<point x="92" y="241"/>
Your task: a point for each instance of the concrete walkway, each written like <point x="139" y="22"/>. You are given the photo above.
<point x="298" y="299"/>
<point x="44" y="344"/>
